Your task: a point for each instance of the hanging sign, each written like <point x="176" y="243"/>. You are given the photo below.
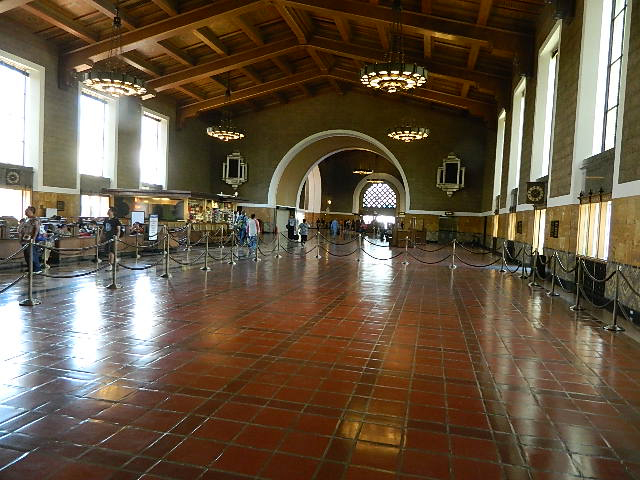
<point x="153" y="227"/>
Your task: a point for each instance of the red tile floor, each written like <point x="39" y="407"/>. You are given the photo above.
<point x="300" y="369"/>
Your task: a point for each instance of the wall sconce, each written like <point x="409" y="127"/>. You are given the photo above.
<point x="234" y="170"/>
<point x="450" y="176"/>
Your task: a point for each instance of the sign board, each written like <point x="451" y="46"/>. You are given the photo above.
<point x="137" y="217"/>
<point x="153" y="227"/>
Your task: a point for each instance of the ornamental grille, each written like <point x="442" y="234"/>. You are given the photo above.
<point x="379" y="195"/>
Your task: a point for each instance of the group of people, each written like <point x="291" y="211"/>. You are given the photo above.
<point x="248" y="230"/>
<point x="303" y="229"/>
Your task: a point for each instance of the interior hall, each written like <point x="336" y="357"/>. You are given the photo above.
<point x="319" y="239"/>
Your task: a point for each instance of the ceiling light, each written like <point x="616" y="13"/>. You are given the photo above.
<point x="112" y="79"/>
<point x="408" y="133"/>
<point x="363" y="171"/>
<point x="394" y="74"/>
<point x="225" y="131"/>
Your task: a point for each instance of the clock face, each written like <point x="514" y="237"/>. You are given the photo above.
<point x="12" y="177"/>
<point x="535" y="193"/>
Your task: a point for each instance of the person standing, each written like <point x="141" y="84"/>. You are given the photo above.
<point x="304" y="231"/>
<point x="333" y="227"/>
<point x="28" y="230"/>
<point x="291" y="227"/>
<point x="112" y="227"/>
<point x="253" y="230"/>
<point x="241" y="226"/>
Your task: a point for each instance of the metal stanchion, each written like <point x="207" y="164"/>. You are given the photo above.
<point x="30" y="301"/>
<point x="233" y="241"/>
<point x="406" y="251"/>
<point x="278" y="244"/>
<point x="188" y="237"/>
<point x="114" y="267"/>
<point x="552" y="292"/>
<point x="359" y="247"/>
<point x="222" y="238"/>
<point x="614" y="327"/>
<point x="453" y="265"/>
<point x="577" y="307"/>
<point x="98" y="260"/>
<point x="523" y="275"/>
<point x="205" y="267"/>
<point x="166" y="273"/>
<point x="503" y="263"/>
<point x="533" y="283"/>
<point x="137" y="252"/>
<point x="318" y="245"/>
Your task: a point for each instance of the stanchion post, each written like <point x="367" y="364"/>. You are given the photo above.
<point x="406" y="251"/>
<point x="98" y="260"/>
<point x="577" y="307"/>
<point x="534" y="283"/>
<point x="503" y="267"/>
<point x="166" y="273"/>
<point x="114" y="267"/>
<point x="30" y="301"/>
<point x="205" y="267"/>
<point x="523" y="275"/>
<point x="318" y="256"/>
<point x="552" y="292"/>
<point x="278" y="243"/>
<point x="188" y="237"/>
<point x="137" y="252"/>
<point x="614" y="327"/>
<point x="359" y="247"/>
<point x="222" y="237"/>
<point x="233" y="241"/>
<point x="453" y="265"/>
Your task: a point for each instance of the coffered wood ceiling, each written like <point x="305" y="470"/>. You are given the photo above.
<point x="278" y="51"/>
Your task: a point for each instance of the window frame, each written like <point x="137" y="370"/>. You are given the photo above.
<point x="389" y="190"/>
<point x="517" y="135"/>
<point x="109" y="167"/>
<point x="497" y="173"/>
<point x="594" y="228"/>
<point x="512" y="220"/>
<point x="539" y="227"/>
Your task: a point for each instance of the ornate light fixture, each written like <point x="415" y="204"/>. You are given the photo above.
<point x="373" y="180"/>
<point x="394" y="74"/>
<point x="225" y="131"/>
<point x="111" y="79"/>
<point x="363" y="171"/>
<point x="408" y="132"/>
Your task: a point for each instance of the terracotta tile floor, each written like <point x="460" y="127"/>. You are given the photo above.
<point x="301" y="369"/>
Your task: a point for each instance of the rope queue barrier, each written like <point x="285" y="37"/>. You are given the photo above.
<point x="480" y="266"/>
<point x="382" y="259"/>
<point x="15" y="282"/>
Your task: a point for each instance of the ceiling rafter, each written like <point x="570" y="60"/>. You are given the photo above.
<point x="221" y="65"/>
<point x="176" y="53"/>
<point x="55" y="16"/>
<point x="317" y="57"/>
<point x="162" y="30"/>
<point x="251" y="73"/>
<point x="283" y="65"/>
<point x="107" y="8"/>
<point x="249" y="30"/>
<point x="518" y="42"/>
<point x="6" y="5"/>
<point x="484" y="12"/>
<point x="296" y="27"/>
<point x="474" y="52"/>
<point x="384" y="36"/>
<point x="343" y="28"/>
<point x="211" y="40"/>
<point x="428" y="45"/>
<point x="137" y="61"/>
<point x="169" y="6"/>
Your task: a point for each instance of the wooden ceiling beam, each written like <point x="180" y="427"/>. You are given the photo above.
<point x="176" y="53"/>
<point x="6" y="5"/>
<point x="384" y="36"/>
<point x="250" y="31"/>
<point x="490" y="82"/>
<point x="211" y="40"/>
<point x="306" y="91"/>
<point x="296" y="27"/>
<point x="245" y="94"/>
<point x="518" y="42"/>
<point x="139" y="62"/>
<point x="464" y="91"/>
<point x="343" y="28"/>
<point x="55" y="16"/>
<point x="321" y="63"/>
<point x="428" y="45"/>
<point x="109" y="9"/>
<point x="283" y="65"/>
<point x="163" y="29"/>
<point x="336" y="86"/>
<point x="221" y="65"/>
<point x="484" y="11"/>
<point x="192" y="93"/>
<point x="474" y="51"/>
<point x="251" y="73"/>
<point x="168" y="6"/>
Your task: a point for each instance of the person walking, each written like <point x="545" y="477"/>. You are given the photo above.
<point x="291" y="227"/>
<point x="333" y="226"/>
<point x="241" y="226"/>
<point x="304" y="231"/>
<point x="111" y="231"/>
<point x="29" y="229"/>
<point x="253" y="230"/>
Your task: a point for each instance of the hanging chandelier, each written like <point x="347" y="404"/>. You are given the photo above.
<point x="394" y="74"/>
<point x="363" y="171"/>
<point x="408" y="133"/>
<point x="372" y="180"/>
<point x="111" y="79"/>
<point x="225" y="131"/>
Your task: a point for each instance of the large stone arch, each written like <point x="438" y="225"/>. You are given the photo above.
<point x="397" y="185"/>
<point x="288" y="178"/>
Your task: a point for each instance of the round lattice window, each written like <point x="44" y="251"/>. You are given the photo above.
<point x="379" y="195"/>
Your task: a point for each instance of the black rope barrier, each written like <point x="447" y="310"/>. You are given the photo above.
<point x="586" y="297"/>
<point x="629" y="284"/>
<point x="415" y="245"/>
<point x="562" y="267"/>
<point x="74" y="249"/>
<point x="145" y="267"/>
<point x="8" y="286"/>
<point x="487" y="252"/>
<point x="338" y="254"/>
<point x="376" y="258"/>
<point x="479" y="266"/>
<point x="14" y="254"/>
<point x="186" y="264"/>
<point x="355" y="239"/>
<point x="76" y="275"/>
<point x="426" y="262"/>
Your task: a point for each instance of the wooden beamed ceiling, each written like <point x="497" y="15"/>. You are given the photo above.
<point x="271" y="51"/>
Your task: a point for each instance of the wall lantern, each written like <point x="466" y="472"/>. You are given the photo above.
<point x="450" y="176"/>
<point x="234" y="170"/>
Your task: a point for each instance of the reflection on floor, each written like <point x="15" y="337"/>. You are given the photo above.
<point x="303" y="369"/>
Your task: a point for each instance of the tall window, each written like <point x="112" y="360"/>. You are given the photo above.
<point x="511" y="229"/>
<point x="517" y="126"/>
<point x="13" y="202"/>
<point x="539" y="218"/>
<point x="92" y="137"/>
<point x="93" y="205"/>
<point x="379" y="195"/>
<point x="494" y="227"/>
<point x="550" y="106"/>
<point x="497" y="174"/>
<point x="13" y="97"/>
<point x="153" y="150"/>
<point x="617" y="11"/>
<point x="594" y="225"/>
